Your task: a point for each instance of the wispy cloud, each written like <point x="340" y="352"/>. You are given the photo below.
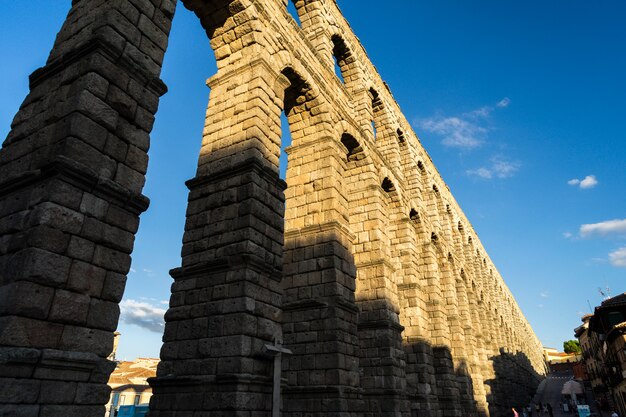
<point x="609" y="227"/>
<point x="544" y="294"/>
<point x="133" y="270"/>
<point x="504" y="102"/>
<point x="568" y="235"/>
<point x="497" y="168"/>
<point x="589" y="181"/>
<point x="457" y="132"/>
<point x="466" y="131"/>
<point x="143" y="314"/>
<point x="618" y="257"/>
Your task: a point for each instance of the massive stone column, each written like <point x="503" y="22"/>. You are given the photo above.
<point x="320" y="315"/>
<point x="226" y="296"/>
<point x="420" y="371"/>
<point x="381" y="355"/>
<point x="71" y="176"/>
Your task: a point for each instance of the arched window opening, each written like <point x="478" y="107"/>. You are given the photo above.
<point x="433" y="237"/>
<point x="342" y="58"/>
<point x="450" y="259"/>
<point x="448" y="210"/>
<point x="460" y="227"/>
<point x="355" y="151"/>
<point x="401" y="138"/>
<point x="297" y="96"/>
<point x="377" y="108"/>
<point x="435" y="189"/>
<point x="293" y="11"/>
<point x="388" y="186"/>
<point x="414" y="216"/>
<point x="421" y="167"/>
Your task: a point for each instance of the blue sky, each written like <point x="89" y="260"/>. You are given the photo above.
<point x="520" y="105"/>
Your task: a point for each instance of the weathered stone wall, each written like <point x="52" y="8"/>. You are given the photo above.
<point x="362" y="264"/>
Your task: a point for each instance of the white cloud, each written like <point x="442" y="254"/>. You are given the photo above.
<point x="618" y="257"/>
<point x="589" y="181"/>
<point x="544" y="294"/>
<point x="457" y="132"/>
<point x="604" y="228"/>
<point x="133" y="270"/>
<point x="568" y="235"/>
<point x="504" y="102"/>
<point x="498" y="168"/>
<point x="143" y="315"/>
<point x="467" y="131"/>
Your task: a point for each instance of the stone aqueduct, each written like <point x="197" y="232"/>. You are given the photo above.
<point x="370" y="273"/>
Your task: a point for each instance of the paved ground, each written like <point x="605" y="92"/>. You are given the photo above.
<point x="550" y="392"/>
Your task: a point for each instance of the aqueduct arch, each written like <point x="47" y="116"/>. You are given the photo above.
<point x="389" y="309"/>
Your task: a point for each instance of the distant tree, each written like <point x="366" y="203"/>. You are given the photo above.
<point x="571" y="346"/>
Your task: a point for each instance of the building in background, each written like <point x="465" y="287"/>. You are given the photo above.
<point x="560" y="361"/>
<point x="602" y="338"/>
<point x="129" y="384"/>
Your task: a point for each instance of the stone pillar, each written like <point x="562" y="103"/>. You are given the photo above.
<point x="458" y="342"/>
<point x="71" y="176"/>
<point x="414" y="317"/>
<point x="320" y="315"/>
<point x="382" y="363"/>
<point x="226" y="296"/>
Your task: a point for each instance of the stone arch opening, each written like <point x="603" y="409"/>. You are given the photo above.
<point x="388" y="185"/>
<point x="377" y="112"/>
<point x="354" y="150"/>
<point x="297" y="96"/>
<point x="400" y="135"/>
<point x="344" y="62"/>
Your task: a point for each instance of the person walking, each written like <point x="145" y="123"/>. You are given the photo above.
<point x="538" y="408"/>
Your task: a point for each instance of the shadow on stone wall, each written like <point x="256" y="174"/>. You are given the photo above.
<point x="350" y="356"/>
<point x="515" y="382"/>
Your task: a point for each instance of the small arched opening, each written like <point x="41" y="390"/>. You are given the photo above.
<point x="353" y="147"/>
<point x="388" y="185"/>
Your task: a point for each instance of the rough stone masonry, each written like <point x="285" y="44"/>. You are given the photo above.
<point x="362" y="264"/>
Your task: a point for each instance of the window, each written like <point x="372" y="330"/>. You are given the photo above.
<point x="342" y="58"/>
<point x="377" y="110"/>
<point x="137" y="399"/>
<point x="401" y="138"/>
<point x="388" y="185"/>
